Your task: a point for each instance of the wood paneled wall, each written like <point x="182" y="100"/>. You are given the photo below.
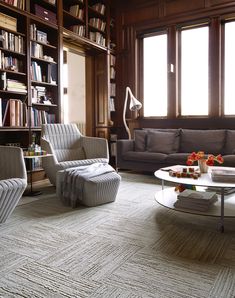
<point x="136" y="17"/>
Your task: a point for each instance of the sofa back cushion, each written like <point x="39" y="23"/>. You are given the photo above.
<point x="209" y="141"/>
<point x="161" y="142"/>
<point x="230" y="142"/>
<point x="140" y="140"/>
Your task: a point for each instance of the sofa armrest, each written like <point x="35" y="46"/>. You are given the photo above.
<point x="95" y="147"/>
<point x="123" y="146"/>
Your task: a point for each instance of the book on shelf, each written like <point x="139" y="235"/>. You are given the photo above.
<point x="78" y="29"/>
<point x="97" y="37"/>
<point x="17" y="3"/>
<point x="10" y="63"/>
<point x="1" y="112"/>
<point x="52" y="73"/>
<point x="16" y="86"/>
<point x="111" y="104"/>
<point x="15" y="113"/>
<point x="8" y="22"/>
<point x="99" y="7"/>
<point x="195" y="200"/>
<point x="12" y="42"/>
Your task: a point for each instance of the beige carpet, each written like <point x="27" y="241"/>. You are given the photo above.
<point x="130" y="248"/>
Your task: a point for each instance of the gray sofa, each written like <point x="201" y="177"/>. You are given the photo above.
<point x="152" y="149"/>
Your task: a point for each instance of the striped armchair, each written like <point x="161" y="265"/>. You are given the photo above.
<point x="13" y="179"/>
<point x="70" y="148"/>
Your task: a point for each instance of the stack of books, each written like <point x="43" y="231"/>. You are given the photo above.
<point x="195" y="200"/>
<point x="226" y="175"/>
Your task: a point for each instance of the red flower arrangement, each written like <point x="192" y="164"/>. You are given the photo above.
<point x="209" y="159"/>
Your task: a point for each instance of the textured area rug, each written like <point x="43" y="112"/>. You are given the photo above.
<point x="130" y="248"/>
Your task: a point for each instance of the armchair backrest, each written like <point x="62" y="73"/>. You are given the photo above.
<point x="65" y="141"/>
<point x="12" y="163"/>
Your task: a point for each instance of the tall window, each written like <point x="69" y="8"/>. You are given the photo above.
<point x="229" y="66"/>
<point x="194" y="71"/>
<point x="155" y="75"/>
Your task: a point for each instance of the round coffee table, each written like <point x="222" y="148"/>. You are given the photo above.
<point x="168" y="196"/>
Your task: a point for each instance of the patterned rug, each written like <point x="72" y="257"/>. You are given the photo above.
<point x="130" y="248"/>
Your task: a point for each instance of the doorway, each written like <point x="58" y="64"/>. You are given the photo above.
<point x="74" y="88"/>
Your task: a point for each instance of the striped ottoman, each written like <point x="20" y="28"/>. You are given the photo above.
<point x="97" y="190"/>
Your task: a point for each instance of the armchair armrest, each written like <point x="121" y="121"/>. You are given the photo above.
<point x="95" y="147"/>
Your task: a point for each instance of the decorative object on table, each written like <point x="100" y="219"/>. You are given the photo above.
<point x="204" y="160"/>
<point x="185" y="172"/>
<point x="195" y="200"/>
<point x="182" y="187"/>
<point x="135" y="105"/>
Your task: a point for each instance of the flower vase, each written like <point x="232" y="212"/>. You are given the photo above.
<point x="203" y="167"/>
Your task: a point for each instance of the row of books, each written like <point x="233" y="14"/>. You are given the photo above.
<point x="112" y="89"/>
<point x="97" y="23"/>
<point x="111" y="104"/>
<point x="112" y="60"/>
<point x="12" y="85"/>
<point x="97" y="37"/>
<point x="112" y="73"/>
<point x="17" y="3"/>
<point x="39" y="117"/>
<point x="13" y="112"/>
<point x="76" y="11"/>
<point x="49" y="75"/>
<point x="99" y="7"/>
<point x="38" y="35"/>
<point x="38" y="92"/>
<point x="33" y="164"/>
<point x="36" y="50"/>
<point x="11" y="41"/>
<point x="78" y="29"/>
<point x="10" y="63"/>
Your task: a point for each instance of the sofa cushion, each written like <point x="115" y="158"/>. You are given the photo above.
<point x="230" y="142"/>
<point x="209" y="141"/>
<point x="144" y="157"/>
<point x="140" y="140"/>
<point x="161" y="142"/>
<point x="177" y="158"/>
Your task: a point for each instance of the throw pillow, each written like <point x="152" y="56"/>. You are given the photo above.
<point x="162" y="142"/>
<point x="209" y="141"/>
<point x="230" y="142"/>
<point x="140" y="140"/>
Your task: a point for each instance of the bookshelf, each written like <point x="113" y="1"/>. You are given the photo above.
<point x="32" y="34"/>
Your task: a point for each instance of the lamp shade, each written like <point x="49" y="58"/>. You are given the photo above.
<point x="135" y="105"/>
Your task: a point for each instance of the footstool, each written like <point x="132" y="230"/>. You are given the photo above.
<point x="96" y="190"/>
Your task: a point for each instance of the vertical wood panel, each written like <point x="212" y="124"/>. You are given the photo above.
<point x="215" y="68"/>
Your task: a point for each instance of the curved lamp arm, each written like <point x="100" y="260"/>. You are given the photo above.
<point x="134" y="106"/>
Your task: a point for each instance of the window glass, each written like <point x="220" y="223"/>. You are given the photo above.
<point x="194" y="71"/>
<point x="229" y="66"/>
<point x="155" y="75"/>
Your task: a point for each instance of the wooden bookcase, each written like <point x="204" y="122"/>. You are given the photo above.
<point x="31" y="75"/>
